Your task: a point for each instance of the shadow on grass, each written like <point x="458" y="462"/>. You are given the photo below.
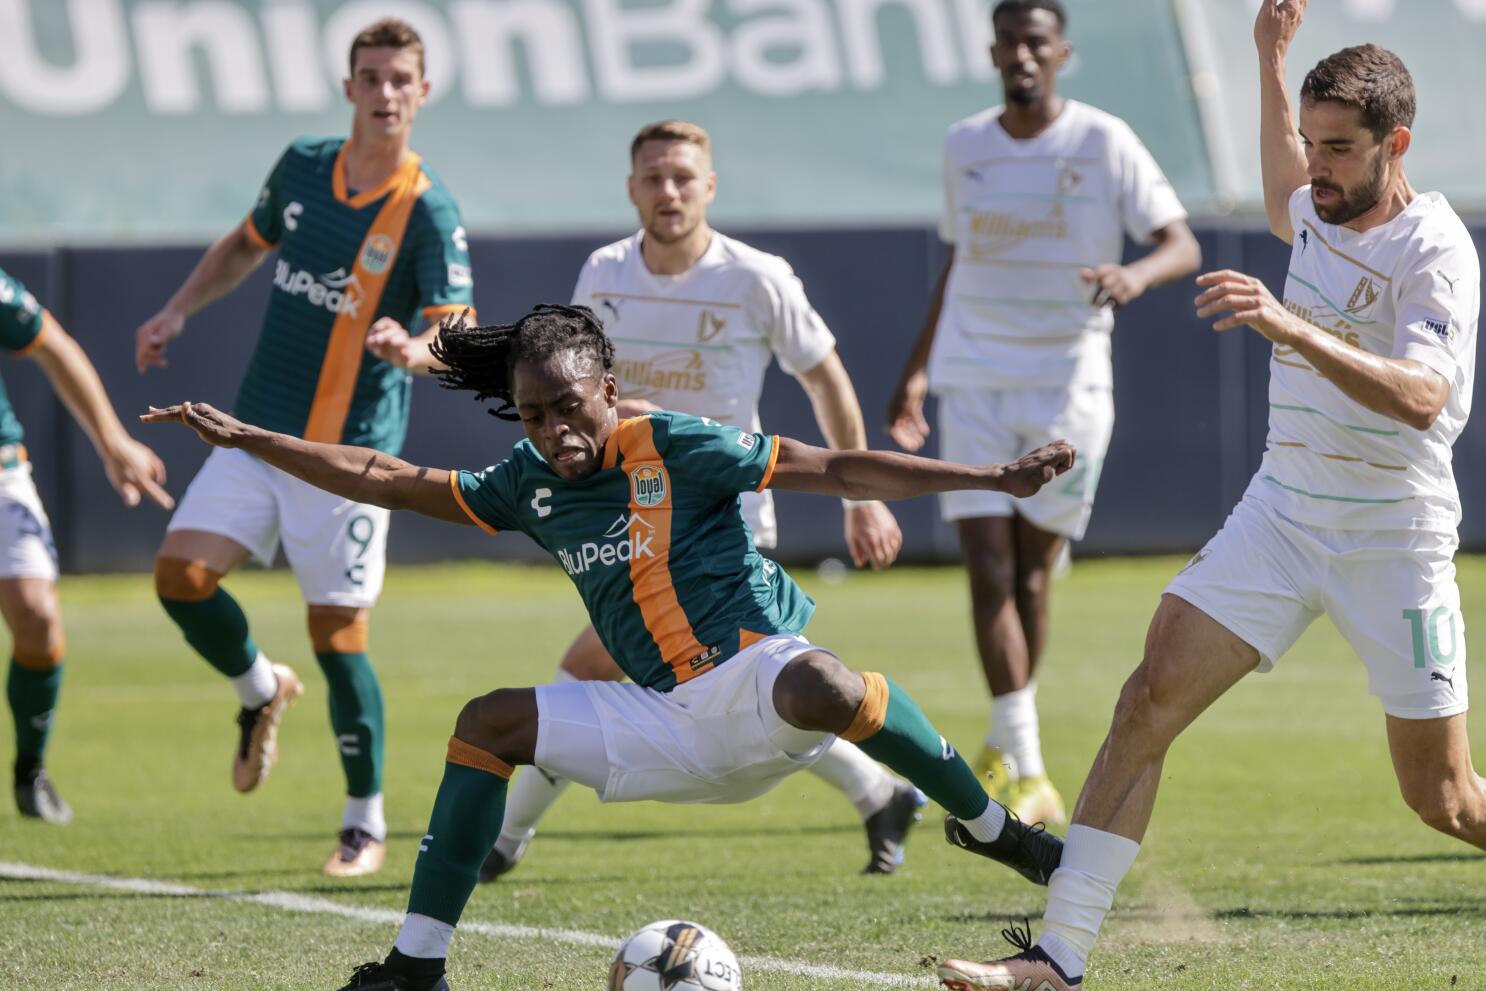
<point x="1419" y="911"/>
<point x="1418" y="858"/>
<point x="614" y="836"/>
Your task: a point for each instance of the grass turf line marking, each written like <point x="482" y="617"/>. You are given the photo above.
<point x="290" y="902"/>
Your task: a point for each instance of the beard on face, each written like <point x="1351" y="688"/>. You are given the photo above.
<point x="1352" y="204"/>
<point x="668" y="235"/>
<point x="1024" y="97"/>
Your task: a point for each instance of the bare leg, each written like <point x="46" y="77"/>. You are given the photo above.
<point x="1037" y="553"/>
<point x="989" y="547"/>
<point x="1432" y="759"/>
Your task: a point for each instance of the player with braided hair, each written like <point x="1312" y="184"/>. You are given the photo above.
<point x="725" y="696"/>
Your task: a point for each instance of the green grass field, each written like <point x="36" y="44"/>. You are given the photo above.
<point x="1280" y="856"/>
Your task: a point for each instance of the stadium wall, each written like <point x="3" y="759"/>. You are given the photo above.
<point x="1191" y="405"/>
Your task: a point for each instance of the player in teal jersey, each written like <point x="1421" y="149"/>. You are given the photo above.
<point x="726" y="696"/>
<point x="368" y="238"/>
<point x="28" y="558"/>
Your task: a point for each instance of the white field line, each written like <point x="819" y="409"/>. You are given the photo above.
<point x="288" y="902"/>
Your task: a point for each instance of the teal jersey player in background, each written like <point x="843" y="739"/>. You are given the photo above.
<point x="367" y="239"/>
<point x="643" y="514"/>
<point x="28" y="558"/>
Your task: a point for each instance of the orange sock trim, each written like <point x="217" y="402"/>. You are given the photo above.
<point x="184" y="581"/>
<point x="468" y="755"/>
<point x="872" y="712"/>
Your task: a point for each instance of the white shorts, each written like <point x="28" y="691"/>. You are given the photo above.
<point x="337" y="548"/>
<point x="994" y="426"/>
<point x="26" y="546"/>
<point x="715" y="738"/>
<point x="1390" y="593"/>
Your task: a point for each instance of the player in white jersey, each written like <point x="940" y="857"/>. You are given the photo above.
<point x="1039" y="195"/>
<point x="1353" y="511"/>
<point x="696" y="317"/>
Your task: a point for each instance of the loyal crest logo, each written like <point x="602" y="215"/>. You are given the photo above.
<point x="376" y="254"/>
<point x="648" y="486"/>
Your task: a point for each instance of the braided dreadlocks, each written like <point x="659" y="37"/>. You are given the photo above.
<point x="480" y="359"/>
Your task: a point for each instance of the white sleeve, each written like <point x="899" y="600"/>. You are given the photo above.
<point x="1436" y="304"/>
<point x="583" y="291"/>
<point x="797" y="335"/>
<point x="1298" y="200"/>
<point x="949" y="219"/>
<point x="1147" y="201"/>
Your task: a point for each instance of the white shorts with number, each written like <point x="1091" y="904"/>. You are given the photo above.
<point x="337" y="548"/>
<point x="26" y="546"/>
<point x="715" y="738"/>
<point x="994" y="426"/>
<point x="1390" y="593"/>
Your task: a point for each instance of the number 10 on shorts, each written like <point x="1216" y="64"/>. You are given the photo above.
<point x="1426" y="625"/>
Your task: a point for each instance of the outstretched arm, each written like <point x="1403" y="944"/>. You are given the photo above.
<point x="905" y="411"/>
<point x="1281" y="156"/>
<point x="888" y="475"/>
<point x="356" y="473"/>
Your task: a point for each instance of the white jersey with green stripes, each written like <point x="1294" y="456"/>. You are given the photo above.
<point x="1410" y="289"/>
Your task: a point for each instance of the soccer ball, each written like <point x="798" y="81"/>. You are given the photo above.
<point x="675" y="956"/>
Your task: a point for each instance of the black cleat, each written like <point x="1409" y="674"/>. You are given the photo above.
<point x="388" y="976"/>
<point x="887" y="828"/>
<point x="496" y="864"/>
<point x="1031" y="851"/>
<point x="36" y="798"/>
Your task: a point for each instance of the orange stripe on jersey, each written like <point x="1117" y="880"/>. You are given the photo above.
<point x="459" y="498"/>
<point x="433" y="314"/>
<point x="47" y="323"/>
<point x="651" y="574"/>
<point x="611" y="446"/>
<point x="343" y="353"/>
<point x="773" y="460"/>
<point x="469" y="755"/>
<point x="251" y="229"/>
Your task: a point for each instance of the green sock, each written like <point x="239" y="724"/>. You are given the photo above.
<point x="909" y="744"/>
<point x="466" y="820"/>
<point x="357" y="718"/>
<point x="216" y="629"/>
<point x="33" y="702"/>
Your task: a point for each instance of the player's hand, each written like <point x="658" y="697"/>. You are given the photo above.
<point x="905" y="412"/>
<point x="1276" y="25"/>
<point x="1030" y="472"/>
<point x="872" y="535"/>
<point x="134" y="471"/>
<point x="152" y="337"/>
<point x="1246" y="301"/>
<point x="627" y="408"/>
<point x="390" y="341"/>
<point x="1114" y="285"/>
<point x="211" y="425"/>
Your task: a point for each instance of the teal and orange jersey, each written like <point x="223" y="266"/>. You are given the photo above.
<point x="346" y="259"/>
<point x="654" y="540"/>
<point x="22" y="325"/>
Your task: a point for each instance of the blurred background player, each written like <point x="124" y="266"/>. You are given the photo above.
<point x="28" y="558"/>
<point x="1038" y="194"/>
<point x="696" y="317"/>
<point x="367" y="238"/>
<point x="1353" y="511"/>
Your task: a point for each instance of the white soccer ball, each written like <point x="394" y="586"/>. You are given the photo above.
<point x="675" y="956"/>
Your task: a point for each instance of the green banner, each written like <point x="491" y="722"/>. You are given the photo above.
<point x="158" y="119"/>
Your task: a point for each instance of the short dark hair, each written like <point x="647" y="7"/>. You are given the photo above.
<point x="1053" y="7"/>
<point x="1367" y="77"/>
<point x="389" y="32"/>
<point x="480" y="359"/>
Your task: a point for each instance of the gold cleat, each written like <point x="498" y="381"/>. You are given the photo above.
<point x="993" y="768"/>
<point x="1036" y="800"/>
<point x="257" y="746"/>
<point x="356" y="852"/>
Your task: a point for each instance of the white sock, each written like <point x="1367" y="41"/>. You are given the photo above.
<point x="423" y="936"/>
<point x="530" y="797"/>
<point x="257" y="685"/>
<point x="865" y="783"/>
<point x="988" y="825"/>
<point x="1081" y="892"/>
<point x="1015" y="732"/>
<point x="365" y="813"/>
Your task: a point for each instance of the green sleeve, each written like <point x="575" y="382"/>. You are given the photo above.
<point x="489" y="496"/>
<point x="441" y="254"/>
<point x="20" y="315"/>
<point x="267" y="217"/>
<point x="714" y="456"/>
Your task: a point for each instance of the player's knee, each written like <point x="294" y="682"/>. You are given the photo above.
<point x="499" y="724"/>
<point x="1438" y="806"/>
<point x="184" y="581"/>
<point x="37" y="642"/>
<point x="1143" y="724"/>
<point x="339" y="631"/>
<point x="815" y="691"/>
<point x="991" y="573"/>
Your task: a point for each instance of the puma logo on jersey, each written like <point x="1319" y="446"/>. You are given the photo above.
<point x="338" y="291"/>
<point x="1305" y="241"/>
<point x="611" y="306"/>
<point x="1448" y="281"/>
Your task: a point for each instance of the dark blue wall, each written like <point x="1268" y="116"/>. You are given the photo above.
<point x="1190" y="404"/>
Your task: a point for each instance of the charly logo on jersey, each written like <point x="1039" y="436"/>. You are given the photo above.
<point x="339" y="291"/>
<point x="632" y="535"/>
<point x="648" y="486"/>
<point x="1364" y="298"/>
<point x="377" y="253"/>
